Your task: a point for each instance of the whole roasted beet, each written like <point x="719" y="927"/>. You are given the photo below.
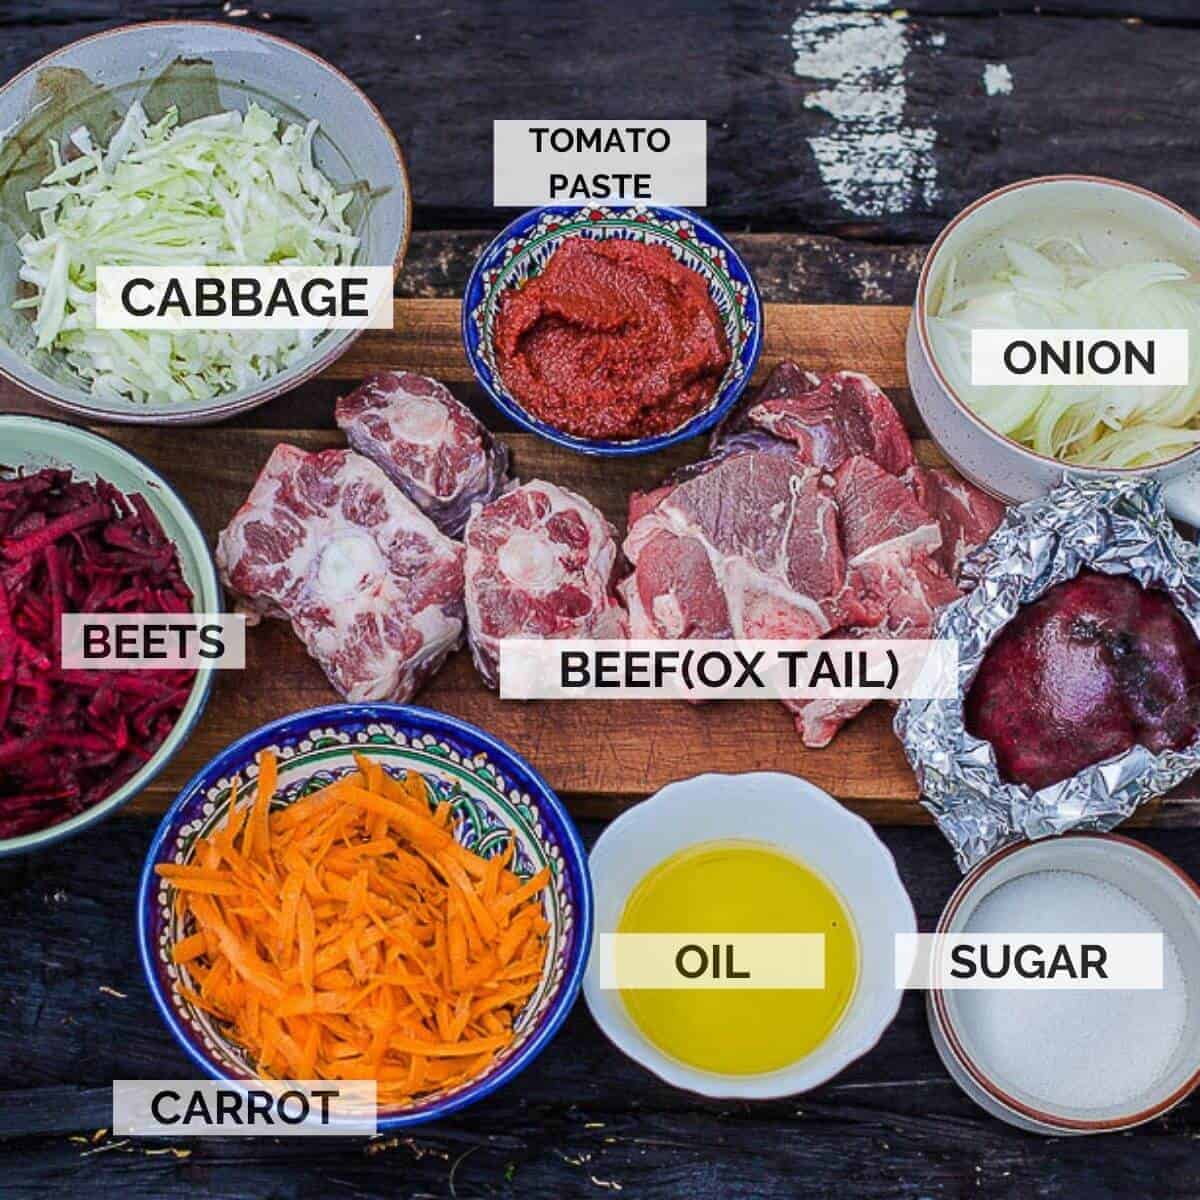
<point x="1097" y="665"/>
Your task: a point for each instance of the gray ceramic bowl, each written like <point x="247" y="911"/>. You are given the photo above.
<point x="91" y="82"/>
<point x="34" y="442"/>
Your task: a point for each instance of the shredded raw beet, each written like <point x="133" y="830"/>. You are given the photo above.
<point x="70" y="738"/>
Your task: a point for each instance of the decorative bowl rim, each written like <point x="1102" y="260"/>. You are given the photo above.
<point x="403" y="715"/>
<point x="728" y="394"/>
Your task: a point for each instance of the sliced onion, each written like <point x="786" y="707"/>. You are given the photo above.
<point x="1058" y="285"/>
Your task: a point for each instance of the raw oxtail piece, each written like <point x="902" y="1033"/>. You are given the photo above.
<point x="540" y="563"/>
<point x="709" y="562"/>
<point x="429" y="444"/>
<point x="861" y="540"/>
<point x="370" y="585"/>
<point x="967" y="516"/>
<point x="828" y="418"/>
<point x="891" y="546"/>
<point x="1096" y="666"/>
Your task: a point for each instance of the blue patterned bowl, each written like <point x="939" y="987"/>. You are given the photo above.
<point x="524" y="248"/>
<point x="494" y="795"/>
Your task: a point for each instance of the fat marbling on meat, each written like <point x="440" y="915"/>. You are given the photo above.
<point x="891" y="544"/>
<point x="428" y="443"/>
<point x="827" y="418"/>
<point x="747" y="548"/>
<point x="967" y="516"/>
<point x="371" y="587"/>
<point x="811" y="518"/>
<point x="540" y="563"/>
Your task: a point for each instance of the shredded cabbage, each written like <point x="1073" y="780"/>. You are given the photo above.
<point x="224" y="190"/>
<point x="1058" y="285"/>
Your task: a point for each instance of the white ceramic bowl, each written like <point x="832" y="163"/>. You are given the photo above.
<point x="1159" y="886"/>
<point x="798" y="819"/>
<point x="227" y="66"/>
<point x="1115" y="218"/>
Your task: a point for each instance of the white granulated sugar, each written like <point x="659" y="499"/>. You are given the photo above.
<point x="1072" y="1048"/>
<point x="872" y="162"/>
<point x="997" y="79"/>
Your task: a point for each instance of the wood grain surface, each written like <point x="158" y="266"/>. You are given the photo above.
<point x="426" y="336"/>
<point x="582" y="1123"/>
<point x="602" y="755"/>
<point x="789" y="268"/>
<point x="607" y="753"/>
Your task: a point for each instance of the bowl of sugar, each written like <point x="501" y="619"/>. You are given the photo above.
<point x="1072" y="1059"/>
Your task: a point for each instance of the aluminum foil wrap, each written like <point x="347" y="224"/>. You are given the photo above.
<point x="1119" y="527"/>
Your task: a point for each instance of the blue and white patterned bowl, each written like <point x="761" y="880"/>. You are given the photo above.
<point x="524" y="248"/>
<point x="494" y="795"/>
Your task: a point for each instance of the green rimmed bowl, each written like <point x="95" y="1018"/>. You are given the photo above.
<point x="35" y="442"/>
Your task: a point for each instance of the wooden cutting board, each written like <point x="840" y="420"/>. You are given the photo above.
<point x="602" y="755"/>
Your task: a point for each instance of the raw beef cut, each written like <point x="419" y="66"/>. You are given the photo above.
<point x="966" y="515"/>
<point x="428" y="443"/>
<point x="1097" y="665"/>
<point x="828" y="418"/>
<point x="540" y="564"/>
<point x="748" y="548"/>
<point x="891" y="544"/>
<point x="832" y="418"/>
<point x="372" y="588"/>
<point x="811" y="518"/>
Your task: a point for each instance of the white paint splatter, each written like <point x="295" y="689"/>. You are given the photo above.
<point x="869" y="290"/>
<point x="997" y="79"/>
<point x="871" y="161"/>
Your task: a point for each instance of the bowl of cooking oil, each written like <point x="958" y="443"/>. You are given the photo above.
<point x="745" y="938"/>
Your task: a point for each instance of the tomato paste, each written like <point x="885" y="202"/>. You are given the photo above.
<point x="614" y="339"/>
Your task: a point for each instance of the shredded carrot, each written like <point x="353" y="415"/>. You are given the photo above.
<point x="262" y="803"/>
<point x="348" y="935"/>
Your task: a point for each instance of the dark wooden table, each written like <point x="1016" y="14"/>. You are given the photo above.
<point x="831" y="193"/>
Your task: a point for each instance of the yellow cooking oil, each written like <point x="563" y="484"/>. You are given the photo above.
<point x="740" y="887"/>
